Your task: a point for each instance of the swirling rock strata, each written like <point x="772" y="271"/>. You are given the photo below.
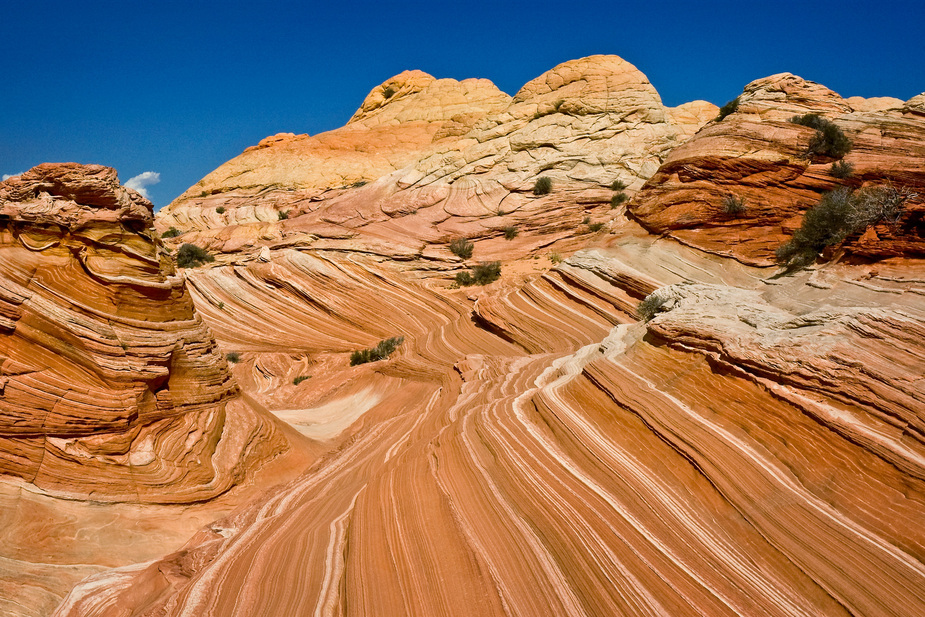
<point x="111" y="386"/>
<point x="758" y="155"/>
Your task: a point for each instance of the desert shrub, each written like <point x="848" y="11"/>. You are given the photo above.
<point x="618" y="200"/>
<point x="173" y="232"/>
<point x="358" y="184"/>
<point x="841" y="169"/>
<point x="510" y="232"/>
<point x="586" y="220"/>
<point x="595" y="227"/>
<point x="282" y="215"/>
<point x="839" y="214"/>
<point x="233" y="356"/>
<point x="555" y="258"/>
<point x="829" y="140"/>
<point x="542" y="186"/>
<point x="300" y="379"/>
<point x="220" y="209"/>
<point x="461" y="248"/>
<point x="482" y="274"/>
<point x="191" y="256"/>
<point x="733" y="205"/>
<point x="727" y="109"/>
<point x="388" y="92"/>
<point x="617" y="185"/>
<point x="649" y="307"/>
<point x="380" y="352"/>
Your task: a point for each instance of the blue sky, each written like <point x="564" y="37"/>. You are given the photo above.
<point x="178" y="88"/>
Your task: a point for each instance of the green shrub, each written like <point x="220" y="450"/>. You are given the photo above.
<point x="829" y="140"/>
<point x="733" y="205"/>
<point x="191" y="256"/>
<point x="388" y="92"/>
<point x="233" y="356"/>
<point x="300" y="379"/>
<point x="282" y="215"/>
<point x="173" y="232"/>
<point x="618" y="199"/>
<point x="555" y="257"/>
<point x="841" y="169"/>
<point x="461" y="248"/>
<point x="586" y="220"/>
<point x="380" y="352"/>
<point x="510" y="232"/>
<point x="542" y="186"/>
<point x="595" y="227"/>
<point x="617" y="185"/>
<point x="649" y="307"/>
<point x="220" y="209"/>
<point x="358" y="184"/>
<point x="729" y="108"/>
<point x="482" y="274"/>
<point x="839" y="214"/>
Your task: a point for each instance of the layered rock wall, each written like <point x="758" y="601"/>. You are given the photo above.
<point x="111" y="386"/>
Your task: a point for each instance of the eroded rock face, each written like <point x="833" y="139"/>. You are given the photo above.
<point x="756" y="154"/>
<point x="583" y="124"/>
<point x="386" y="134"/>
<point x="111" y="386"/>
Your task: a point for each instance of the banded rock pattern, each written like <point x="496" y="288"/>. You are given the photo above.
<point x="111" y="386"/>
<point x="757" y="155"/>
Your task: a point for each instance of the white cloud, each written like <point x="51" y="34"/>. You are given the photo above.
<point x="8" y="176"/>
<point x="140" y="181"/>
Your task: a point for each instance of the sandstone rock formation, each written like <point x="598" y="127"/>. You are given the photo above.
<point x="757" y="155"/>
<point x="400" y="121"/>
<point x="584" y="124"/>
<point x="552" y="455"/>
<point x="533" y="447"/>
<point x="111" y="386"/>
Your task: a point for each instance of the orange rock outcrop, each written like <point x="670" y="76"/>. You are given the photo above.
<point x="111" y="386"/>
<point x="758" y="155"/>
<point x="534" y="447"/>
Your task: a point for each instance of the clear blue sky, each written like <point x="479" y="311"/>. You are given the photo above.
<point x="178" y="88"/>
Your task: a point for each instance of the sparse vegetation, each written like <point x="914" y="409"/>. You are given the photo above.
<point x="220" y="210"/>
<point x="595" y="227"/>
<point x="829" y="140"/>
<point x="555" y="258"/>
<point x="482" y="274"/>
<point x="586" y="220"/>
<point x="358" y="184"/>
<point x="542" y="186"/>
<point x="192" y="256"/>
<point x="733" y="205"/>
<point x="840" y="213"/>
<point x="233" y="356"/>
<point x="729" y="108"/>
<point x="617" y="185"/>
<point x="221" y="306"/>
<point x="173" y="232"/>
<point x="282" y="215"/>
<point x="649" y="307"/>
<point x="380" y="352"/>
<point x="461" y="248"/>
<point x="617" y="200"/>
<point x="388" y="92"/>
<point x="300" y="379"/>
<point x="510" y="232"/>
<point x="841" y="170"/>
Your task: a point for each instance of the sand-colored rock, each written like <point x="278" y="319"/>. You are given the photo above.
<point x="385" y="134"/>
<point x="532" y="447"/>
<point x="758" y="155"/>
<point x="533" y="451"/>
<point x="111" y="386"/>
